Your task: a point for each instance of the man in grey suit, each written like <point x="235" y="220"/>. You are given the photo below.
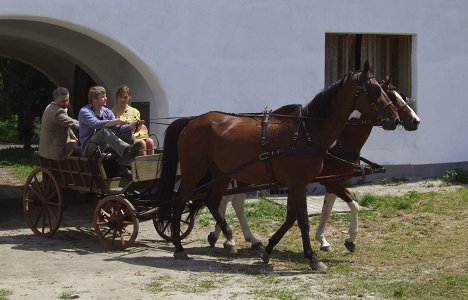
<point x="57" y="140"/>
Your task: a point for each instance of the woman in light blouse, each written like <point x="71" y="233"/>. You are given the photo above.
<point x="130" y="114"/>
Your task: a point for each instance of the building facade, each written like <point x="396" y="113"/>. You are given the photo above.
<point x="187" y="57"/>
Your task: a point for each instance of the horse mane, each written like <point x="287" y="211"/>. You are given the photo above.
<point x="289" y="109"/>
<point x="320" y="106"/>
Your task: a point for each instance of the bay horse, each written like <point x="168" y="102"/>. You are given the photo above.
<point x="263" y="149"/>
<point x="348" y="147"/>
<point x="410" y="122"/>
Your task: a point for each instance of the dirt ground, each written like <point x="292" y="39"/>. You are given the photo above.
<point x="72" y="264"/>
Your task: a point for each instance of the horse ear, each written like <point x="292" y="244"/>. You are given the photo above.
<point x="365" y="71"/>
<point x="387" y="81"/>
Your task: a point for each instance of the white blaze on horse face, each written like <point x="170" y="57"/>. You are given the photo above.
<point x="413" y="114"/>
<point x="355" y="115"/>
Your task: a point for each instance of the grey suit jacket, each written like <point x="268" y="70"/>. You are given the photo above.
<point x="54" y="141"/>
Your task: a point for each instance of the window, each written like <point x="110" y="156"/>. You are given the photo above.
<point x="389" y="54"/>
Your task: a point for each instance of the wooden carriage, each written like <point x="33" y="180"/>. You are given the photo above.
<point x="121" y="201"/>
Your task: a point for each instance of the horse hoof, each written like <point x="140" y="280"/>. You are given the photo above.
<point x="231" y="249"/>
<point x="325" y="248"/>
<point x="265" y="256"/>
<point x="181" y="255"/>
<point x="212" y="239"/>
<point x="258" y="246"/>
<point x="350" y="246"/>
<point x="318" y="266"/>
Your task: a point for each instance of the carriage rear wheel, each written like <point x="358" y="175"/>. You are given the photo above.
<point x="115" y="222"/>
<point x="187" y="221"/>
<point x="42" y="202"/>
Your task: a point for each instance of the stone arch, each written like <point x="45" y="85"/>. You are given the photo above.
<point x="58" y="48"/>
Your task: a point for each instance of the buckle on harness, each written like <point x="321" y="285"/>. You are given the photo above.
<point x="264" y="156"/>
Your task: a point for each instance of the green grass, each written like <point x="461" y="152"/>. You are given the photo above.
<point x="409" y="247"/>
<point x="4" y="293"/>
<point x="21" y="161"/>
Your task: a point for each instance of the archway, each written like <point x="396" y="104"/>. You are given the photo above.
<point x="76" y="57"/>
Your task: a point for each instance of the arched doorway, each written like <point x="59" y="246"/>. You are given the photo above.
<point x="78" y="57"/>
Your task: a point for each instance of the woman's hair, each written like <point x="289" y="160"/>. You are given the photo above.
<point x="122" y="90"/>
<point x="94" y="92"/>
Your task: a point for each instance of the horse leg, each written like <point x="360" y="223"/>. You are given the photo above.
<point x="276" y="237"/>
<point x="214" y="235"/>
<point x="299" y="205"/>
<point x="345" y="194"/>
<point x="327" y="207"/>
<point x="238" y="203"/>
<point x="350" y="243"/>
<point x="212" y="202"/>
<point x="187" y="185"/>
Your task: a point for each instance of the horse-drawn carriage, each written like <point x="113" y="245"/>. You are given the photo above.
<point x="120" y="203"/>
<point x="288" y="147"/>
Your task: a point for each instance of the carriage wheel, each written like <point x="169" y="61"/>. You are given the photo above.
<point x="42" y="202"/>
<point x="187" y="221"/>
<point x="115" y="222"/>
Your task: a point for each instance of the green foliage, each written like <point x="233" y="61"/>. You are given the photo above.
<point x="4" y="293"/>
<point x="66" y="295"/>
<point x="457" y="175"/>
<point x="24" y="92"/>
<point x="22" y="161"/>
<point x="9" y="130"/>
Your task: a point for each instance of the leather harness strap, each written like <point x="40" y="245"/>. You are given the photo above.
<point x="270" y="174"/>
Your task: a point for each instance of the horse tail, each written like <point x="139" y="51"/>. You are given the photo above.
<point x="169" y="162"/>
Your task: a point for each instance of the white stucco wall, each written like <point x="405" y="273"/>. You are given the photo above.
<point x="194" y="56"/>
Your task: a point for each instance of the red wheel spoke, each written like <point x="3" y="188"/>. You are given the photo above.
<point x="51" y="195"/>
<point x="36" y="192"/>
<point x="46" y="181"/>
<point x="106" y="232"/>
<point x="51" y="213"/>
<point x="105" y="213"/>
<point x="127" y="231"/>
<point x="39" y="216"/>
<point x="45" y="216"/>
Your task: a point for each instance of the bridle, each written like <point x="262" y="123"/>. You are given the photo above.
<point x="374" y="103"/>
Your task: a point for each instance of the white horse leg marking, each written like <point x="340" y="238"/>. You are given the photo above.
<point x="353" y="226"/>
<point x="238" y="203"/>
<point x="327" y="207"/>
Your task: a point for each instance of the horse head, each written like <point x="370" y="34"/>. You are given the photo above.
<point x="377" y="102"/>
<point x="408" y="118"/>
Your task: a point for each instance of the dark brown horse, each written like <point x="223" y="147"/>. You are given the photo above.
<point x="348" y="146"/>
<point x="240" y="147"/>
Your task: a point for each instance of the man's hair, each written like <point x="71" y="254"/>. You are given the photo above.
<point x="122" y="90"/>
<point x="60" y="91"/>
<point x="94" y="92"/>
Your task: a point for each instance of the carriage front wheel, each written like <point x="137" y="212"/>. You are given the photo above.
<point x="42" y="202"/>
<point x="187" y="221"/>
<point x="115" y="222"/>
